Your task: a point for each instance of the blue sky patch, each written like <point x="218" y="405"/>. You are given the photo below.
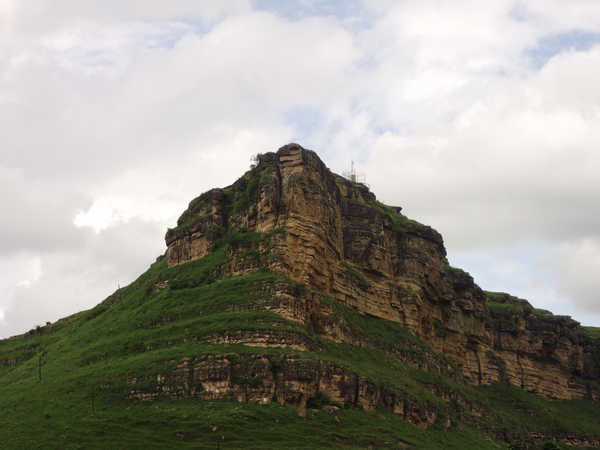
<point x="301" y="9"/>
<point x="515" y="269"/>
<point x="548" y="46"/>
<point x="304" y="120"/>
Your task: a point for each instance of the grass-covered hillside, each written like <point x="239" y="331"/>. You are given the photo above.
<point x="68" y="384"/>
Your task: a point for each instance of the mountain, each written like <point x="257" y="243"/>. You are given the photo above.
<point x="292" y="309"/>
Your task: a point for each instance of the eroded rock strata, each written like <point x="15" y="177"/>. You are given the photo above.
<point x="334" y="238"/>
<point x="291" y="380"/>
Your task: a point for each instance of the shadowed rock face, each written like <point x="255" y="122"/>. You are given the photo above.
<point x="334" y="237"/>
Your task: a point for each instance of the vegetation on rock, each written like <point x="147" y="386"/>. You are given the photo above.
<point x="263" y="329"/>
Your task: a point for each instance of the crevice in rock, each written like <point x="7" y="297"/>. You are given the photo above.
<point x="479" y="374"/>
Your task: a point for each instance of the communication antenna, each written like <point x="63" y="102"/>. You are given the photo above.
<point x="353" y="176"/>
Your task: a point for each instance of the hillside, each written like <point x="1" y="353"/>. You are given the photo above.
<point x="294" y="309"/>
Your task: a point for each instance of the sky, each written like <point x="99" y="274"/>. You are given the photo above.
<point x="481" y="119"/>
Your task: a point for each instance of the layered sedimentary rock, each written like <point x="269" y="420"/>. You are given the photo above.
<point x="290" y="380"/>
<point x="332" y="236"/>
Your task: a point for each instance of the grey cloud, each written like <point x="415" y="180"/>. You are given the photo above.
<point x="577" y="265"/>
<point x="36" y="216"/>
<point x="75" y="280"/>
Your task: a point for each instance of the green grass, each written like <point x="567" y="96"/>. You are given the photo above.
<point x="240" y="200"/>
<point x="187" y="223"/>
<point x="169" y="313"/>
<point x="214" y="424"/>
<point x="540" y="312"/>
<point x="503" y="316"/>
<point x="519" y="412"/>
<point x="356" y="276"/>
<point x="383" y="333"/>
<point x="493" y="306"/>
<point x="593" y="332"/>
<point x="400" y="221"/>
<point x="355" y="201"/>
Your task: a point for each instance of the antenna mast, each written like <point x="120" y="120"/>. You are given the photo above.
<point x="353" y="176"/>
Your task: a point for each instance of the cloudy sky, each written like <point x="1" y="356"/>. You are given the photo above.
<point x="481" y="119"/>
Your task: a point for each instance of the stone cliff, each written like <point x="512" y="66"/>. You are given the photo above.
<point x="333" y="238"/>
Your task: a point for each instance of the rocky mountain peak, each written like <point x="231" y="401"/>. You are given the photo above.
<point x="296" y="286"/>
<point x="332" y="235"/>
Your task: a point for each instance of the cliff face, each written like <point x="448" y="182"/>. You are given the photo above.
<point x="291" y="381"/>
<point x="333" y="237"/>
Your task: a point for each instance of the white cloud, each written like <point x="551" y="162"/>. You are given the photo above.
<point x="553" y="16"/>
<point x="102" y="214"/>
<point x="35" y="273"/>
<point x="578" y="264"/>
<point x="116" y="115"/>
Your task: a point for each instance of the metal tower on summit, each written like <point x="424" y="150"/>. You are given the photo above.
<point x="353" y="176"/>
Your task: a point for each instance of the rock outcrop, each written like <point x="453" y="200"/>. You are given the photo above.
<point x="335" y="239"/>
<point x="290" y="380"/>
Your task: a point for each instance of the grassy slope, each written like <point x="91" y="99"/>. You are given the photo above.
<point x="141" y="330"/>
<point x="593" y="332"/>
